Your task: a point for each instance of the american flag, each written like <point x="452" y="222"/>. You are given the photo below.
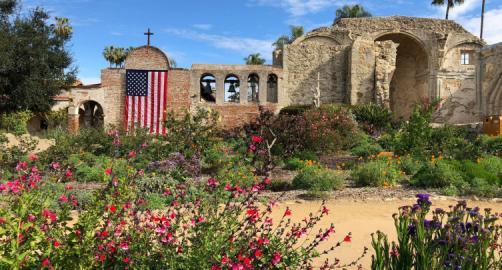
<point x="146" y="100"/>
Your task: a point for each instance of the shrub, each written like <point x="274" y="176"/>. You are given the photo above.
<point x="377" y="173"/>
<point x="15" y="122"/>
<point x="317" y="178"/>
<point x="439" y="174"/>
<point x="294" y="164"/>
<point x="409" y="165"/>
<point x="493" y="165"/>
<point x="306" y="155"/>
<point x="372" y="117"/>
<point x="459" y="238"/>
<point x="366" y="149"/>
<point x="492" y="145"/>
<point x="473" y="170"/>
<point x="295" y="109"/>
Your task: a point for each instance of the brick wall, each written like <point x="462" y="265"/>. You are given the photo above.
<point x="236" y="115"/>
<point x="178" y="97"/>
<point x="147" y="58"/>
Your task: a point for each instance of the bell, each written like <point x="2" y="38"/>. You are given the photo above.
<point x="208" y="89"/>
<point x="231" y="89"/>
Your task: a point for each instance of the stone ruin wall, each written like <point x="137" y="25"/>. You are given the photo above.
<point x="385" y="66"/>
<point x="491" y="85"/>
<point x="302" y="64"/>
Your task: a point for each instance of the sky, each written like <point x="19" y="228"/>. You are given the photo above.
<point x="224" y="31"/>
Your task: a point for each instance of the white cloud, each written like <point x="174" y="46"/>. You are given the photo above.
<point x="298" y="8"/>
<point x="244" y="46"/>
<point x="203" y="26"/>
<point x="492" y="29"/>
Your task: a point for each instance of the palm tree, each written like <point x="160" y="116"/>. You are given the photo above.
<point x="450" y="4"/>
<point x="351" y="11"/>
<point x="63" y="27"/>
<point x="108" y="54"/>
<point x="119" y="56"/>
<point x="296" y="32"/>
<point x="482" y="19"/>
<point x="254" y="59"/>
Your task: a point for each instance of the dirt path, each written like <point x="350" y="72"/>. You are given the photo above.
<point x="42" y="144"/>
<point x="361" y="219"/>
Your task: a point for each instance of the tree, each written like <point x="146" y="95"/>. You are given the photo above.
<point x="296" y="32"/>
<point x="254" y="59"/>
<point x="35" y="64"/>
<point x="449" y="4"/>
<point x="108" y="54"/>
<point x="482" y="19"/>
<point x="351" y="11"/>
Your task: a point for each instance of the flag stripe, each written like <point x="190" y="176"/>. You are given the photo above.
<point x="145" y="103"/>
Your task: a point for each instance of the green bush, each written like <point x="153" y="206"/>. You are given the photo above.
<point x="294" y="164"/>
<point x="409" y="165"/>
<point x="16" y="122"/>
<point x="366" y="148"/>
<point x="377" y="173"/>
<point x="306" y="155"/>
<point x="439" y="174"/>
<point x="492" y="145"/>
<point x="493" y="165"/>
<point x="477" y="171"/>
<point x="295" y="109"/>
<point x="316" y="178"/>
<point x="372" y="117"/>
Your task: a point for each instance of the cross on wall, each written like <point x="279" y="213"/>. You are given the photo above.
<point x="148" y="33"/>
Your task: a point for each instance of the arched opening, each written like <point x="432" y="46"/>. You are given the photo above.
<point x="208" y="88"/>
<point x="232" y="89"/>
<point x="409" y="83"/>
<point x="253" y="87"/>
<point x="272" y="88"/>
<point x="91" y="115"/>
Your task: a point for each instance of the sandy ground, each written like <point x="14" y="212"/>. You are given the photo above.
<point x="361" y="219"/>
<point x="42" y="144"/>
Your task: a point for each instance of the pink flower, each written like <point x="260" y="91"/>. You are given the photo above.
<point x="68" y="173"/>
<point x="287" y="212"/>
<point x="68" y="187"/>
<point x="126" y="260"/>
<point x="212" y="183"/>
<point x="31" y="217"/>
<point x="48" y="214"/>
<point x="258" y="253"/>
<point x="124" y="246"/>
<point x="32" y="157"/>
<point x="56" y="244"/>
<point x="46" y="262"/>
<point x="252" y="148"/>
<point x="132" y="154"/>
<point x="225" y="260"/>
<point x="55" y="165"/>
<point x="228" y="187"/>
<point x="276" y="258"/>
<point x="63" y="199"/>
<point x="325" y="210"/>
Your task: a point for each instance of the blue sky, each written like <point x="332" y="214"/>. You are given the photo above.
<point x="223" y="31"/>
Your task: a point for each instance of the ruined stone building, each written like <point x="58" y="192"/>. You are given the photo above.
<point x="391" y="61"/>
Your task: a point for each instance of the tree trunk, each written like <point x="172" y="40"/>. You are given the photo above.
<point x="482" y="19"/>
<point x="447" y="10"/>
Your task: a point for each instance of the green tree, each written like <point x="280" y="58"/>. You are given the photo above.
<point x="254" y="59"/>
<point x="449" y="4"/>
<point x="296" y="32"/>
<point x="351" y="11"/>
<point x="35" y="64"/>
<point x="108" y="54"/>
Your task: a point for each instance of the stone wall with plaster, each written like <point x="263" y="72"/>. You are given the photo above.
<point x="491" y="84"/>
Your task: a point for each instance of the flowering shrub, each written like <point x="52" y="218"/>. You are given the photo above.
<point x="377" y="173"/>
<point x="459" y="238"/>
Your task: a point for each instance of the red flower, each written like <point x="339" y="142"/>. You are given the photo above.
<point x="287" y="212"/>
<point x="48" y="214"/>
<point x="212" y="183"/>
<point x="68" y="187"/>
<point x="126" y="260"/>
<point x="258" y="253"/>
<point x="267" y="181"/>
<point x="68" y="173"/>
<point x="256" y="139"/>
<point x="325" y="210"/>
<point x="46" y="262"/>
<point x="124" y="246"/>
<point x="347" y="239"/>
<point x="228" y="187"/>
<point x="108" y="171"/>
<point x="63" y="198"/>
<point x="112" y="208"/>
<point x="132" y="154"/>
<point x="276" y="258"/>
<point x="225" y="260"/>
<point x="78" y="233"/>
<point x="33" y="157"/>
<point x="56" y="244"/>
<point x="104" y="234"/>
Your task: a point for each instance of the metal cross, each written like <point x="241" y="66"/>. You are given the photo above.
<point x="149" y="34"/>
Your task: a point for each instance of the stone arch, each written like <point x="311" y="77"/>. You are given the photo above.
<point x="272" y="88"/>
<point x="147" y="57"/>
<point x="91" y="114"/>
<point x="208" y="88"/>
<point x="410" y="81"/>
<point x="253" y="84"/>
<point x="319" y="38"/>
<point x="232" y="88"/>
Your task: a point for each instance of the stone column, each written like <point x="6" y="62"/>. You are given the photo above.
<point x="262" y="94"/>
<point x="243" y="90"/>
<point x="220" y="90"/>
<point x="73" y="120"/>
